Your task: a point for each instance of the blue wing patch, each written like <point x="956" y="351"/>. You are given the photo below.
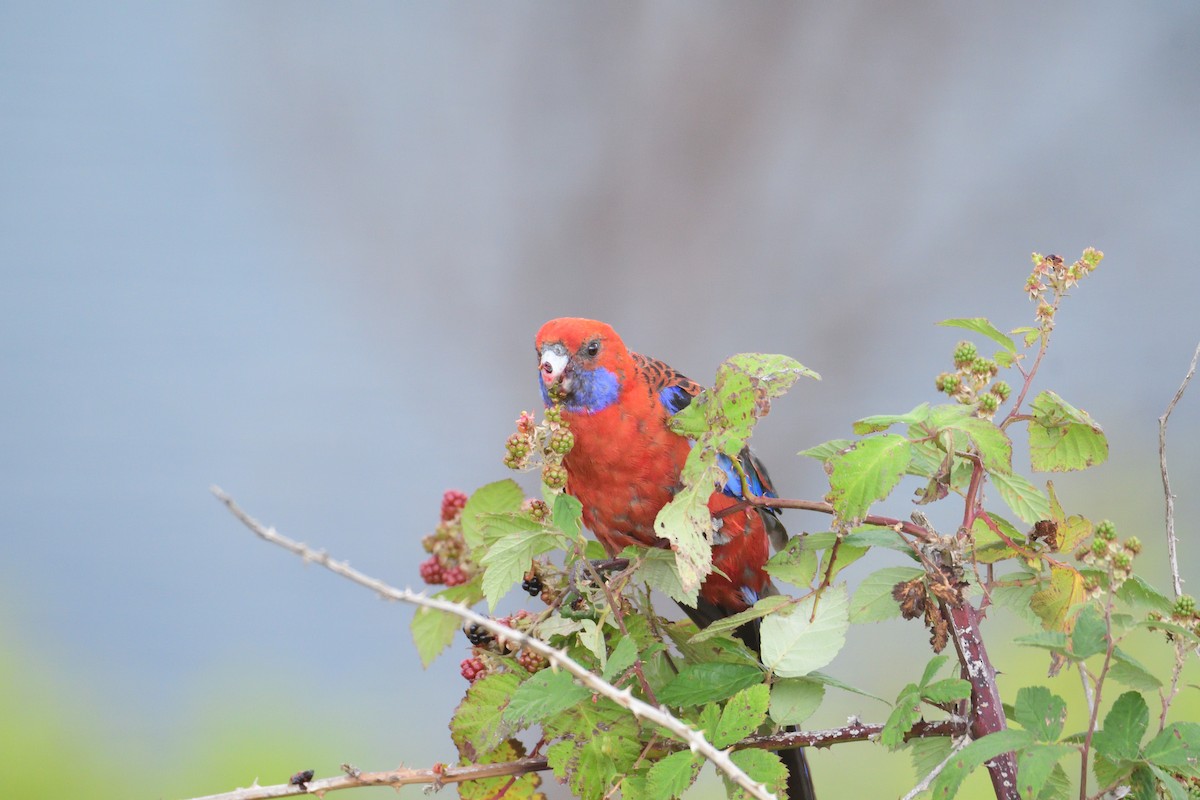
<point x="674" y="399"/>
<point x="733" y="481"/>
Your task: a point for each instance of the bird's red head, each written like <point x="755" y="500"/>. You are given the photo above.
<point x="585" y="359"/>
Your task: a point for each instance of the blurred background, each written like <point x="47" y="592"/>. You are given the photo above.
<point x="300" y="251"/>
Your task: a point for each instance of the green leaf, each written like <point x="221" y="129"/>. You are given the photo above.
<point x="1035" y="766"/>
<point x="687" y="524"/>
<point x="878" y="537"/>
<point x="1055" y="641"/>
<point x="1090" y="635"/>
<point x="904" y="715"/>
<point x="882" y="422"/>
<point x="947" y="690"/>
<point x="927" y="753"/>
<point x="990" y="548"/>
<point x="974" y="755"/>
<point x="982" y="326"/>
<point x="660" y="571"/>
<point x="622" y="658"/>
<point x="731" y="623"/>
<point x="524" y="787"/>
<point x="1168" y="783"/>
<point x="1058" y="787"/>
<point x="796" y="563"/>
<point x="567" y="515"/>
<point x="1062" y="438"/>
<point x="672" y="775"/>
<point x="509" y="558"/>
<point x="932" y="668"/>
<point x="809" y="636"/>
<point x="1121" y="737"/>
<point x="867" y="472"/>
<point x="742" y="715"/>
<point x="1025" y="499"/>
<point x="1176" y="748"/>
<point x="478" y="724"/>
<point x="992" y="444"/>
<point x="542" y="696"/>
<point x="873" y="599"/>
<point x="1141" y="595"/>
<point x="496" y="498"/>
<point x="697" y="684"/>
<point x="762" y="766"/>
<point x="1053" y="603"/>
<point x="826" y="450"/>
<point x="793" y="700"/>
<point x="829" y="680"/>
<point x="433" y="631"/>
<point x="1040" y="712"/>
<point x="599" y="744"/>
<point x="1129" y="671"/>
<point x="837" y="560"/>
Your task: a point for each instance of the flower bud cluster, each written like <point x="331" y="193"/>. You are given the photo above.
<point x="449" y="562"/>
<point x="969" y="383"/>
<point x="543" y="445"/>
<point x="1051" y="272"/>
<point x="1107" y="551"/>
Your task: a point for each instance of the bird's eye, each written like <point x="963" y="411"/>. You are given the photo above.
<point x="592" y="348"/>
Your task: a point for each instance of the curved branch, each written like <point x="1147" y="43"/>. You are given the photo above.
<point x="559" y="658"/>
<point x="1162" y="464"/>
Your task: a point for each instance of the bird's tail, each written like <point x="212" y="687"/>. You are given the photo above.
<point x="799" y="785"/>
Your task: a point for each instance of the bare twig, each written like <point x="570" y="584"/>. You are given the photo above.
<point x="622" y="697"/>
<point x="1162" y="464"/>
<point x="854" y="732"/>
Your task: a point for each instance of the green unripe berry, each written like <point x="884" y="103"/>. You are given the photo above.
<point x="1090" y="584"/>
<point x="1185" y="606"/>
<point x="984" y="367"/>
<point x="554" y="476"/>
<point x="1106" y="531"/>
<point x="1123" y="560"/>
<point x="1099" y="547"/>
<point x="1134" y="545"/>
<point x="562" y="441"/>
<point x="989" y="403"/>
<point x="1082" y="553"/>
<point x="964" y="354"/>
<point x="1002" y="390"/>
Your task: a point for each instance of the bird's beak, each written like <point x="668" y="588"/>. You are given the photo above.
<point x="555" y="366"/>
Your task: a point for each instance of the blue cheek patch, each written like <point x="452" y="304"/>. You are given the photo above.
<point x="595" y="390"/>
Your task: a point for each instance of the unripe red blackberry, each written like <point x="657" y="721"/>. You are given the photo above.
<point x="431" y="571"/>
<point x="1099" y="547"/>
<point x="561" y="441"/>
<point x="1185" y="606"/>
<point x="1106" y="531"/>
<point x="456" y="576"/>
<point x="452" y="504"/>
<point x="964" y="354"/>
<point x="549" y="595"/>
<point x="1133" y="544"/>
<point x="554" y="476"/>
<point x="531" y="661"/>
<point x="536" y="509"/>
<point x="1090" y="584"/>
<point x="472" y="669"/>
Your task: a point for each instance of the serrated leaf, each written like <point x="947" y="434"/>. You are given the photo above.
<point x="697" y="684"/>
<point x="1058" y="787"/>
<point x="982" y="325"/>
<point x="622" y="658"/>
<point x="1176" y="748"/>
<point x="1141" y="595"/>
<point x="932" y="668"/>
<point x="1040" y="712"/>
<point x="826" y="450"/>
<point x="1016" y="595"/>
<point x="731" y="623"/>
<point x="763" y="766"/>
<point x="1129" y="671"/>
<point x="974" y="755"/>
<point x="496" y="498"/>
<point x="545" y="694"/>
<point x="673" y="774"/>
<point x="904" y="715"/>
<point x="432" y="632"/>
<point x="829" y="680"/>
<point x="742" y="715"/>
<point x="809" y="636"/>
<point x="793" y="700"/>
<point x="1036" y="764"/>
<point x="1090" y="635"/>
<point x="946" y="691"/>
<point x="834" y="561"/>
<point x="992" y="444"/>
<point x="508" y="559"/>
<point x="660" y="571"/>
<point x="882" y="422"/>
<point x="1025" y="499"/>
<point x="524" y="787"/>
<point x="1124" y="726"/>
<point x="878" y="537"/>
<point x="599" y="744"/>
<point x="796" y="563"/>
<point x="1062" y="438"/>
<point x="1055" y="641"/>
<point x="873" y="601"/>
<point x="567" y="515"/>
<point x="686" y="523"/>
<point x="927" y="752"/>
<point x="867" y="472"/>
<point x="478" y="724"/>
<point x="1168" y="783"/>
<point x="1053" y="604"/>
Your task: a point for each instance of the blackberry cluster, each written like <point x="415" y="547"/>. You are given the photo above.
<point x="532" y="584"/>
<point x="476" y="635"/>
<point x="472" y="668"/>
<point x="968" y="384"/>
<point x="531" y="661"/>
<point x="449" y="562"/>
<point x="541" y="445"/>
<point x="1106" y="551"/>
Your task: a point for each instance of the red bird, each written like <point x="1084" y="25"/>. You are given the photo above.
<point x="626" y="463"/>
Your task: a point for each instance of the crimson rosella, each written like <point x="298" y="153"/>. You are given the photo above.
<point x="625" y="466"/>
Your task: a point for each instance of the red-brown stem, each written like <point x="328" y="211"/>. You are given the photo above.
<point x="821" y="507"/>
<point x="987" y="712"/>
